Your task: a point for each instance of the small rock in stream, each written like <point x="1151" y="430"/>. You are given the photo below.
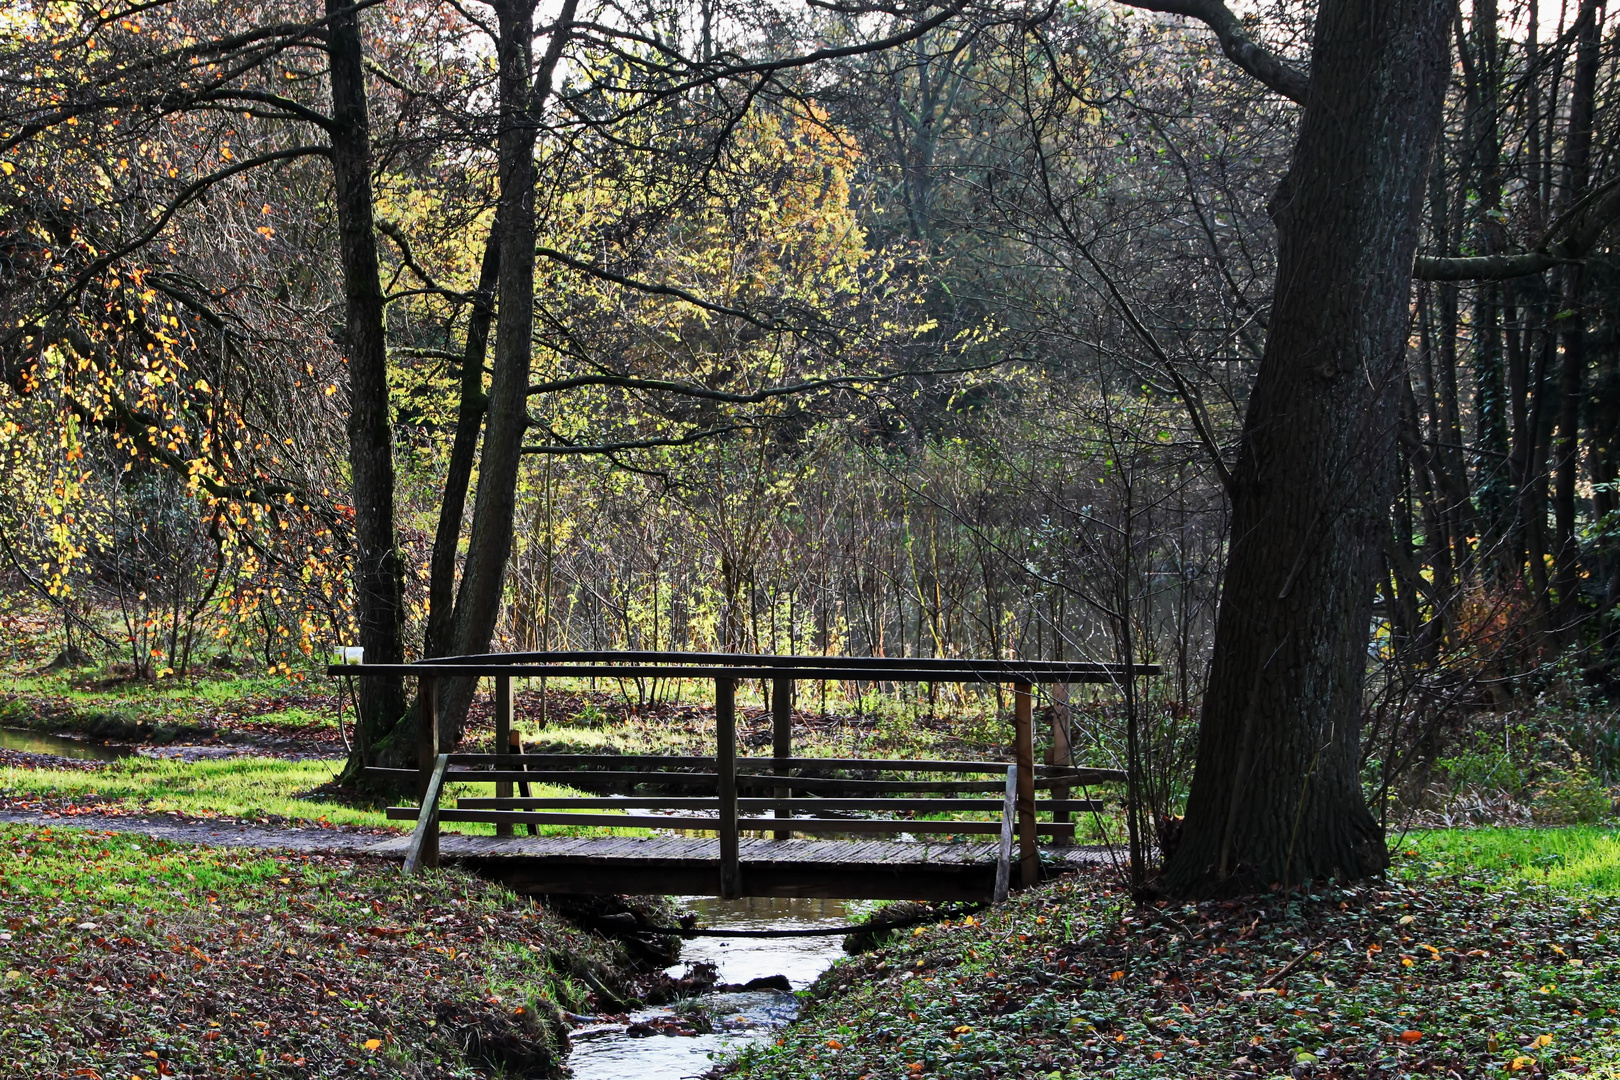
<point x="766" y="982"/>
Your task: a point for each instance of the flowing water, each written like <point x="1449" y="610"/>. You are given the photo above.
<point x="38" y="742"/>
<point x="617" y="1052"/>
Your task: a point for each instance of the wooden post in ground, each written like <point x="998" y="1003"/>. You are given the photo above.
<point x="1062" y="751"/>
<point x="503" y="739"/>
<point x="782" y="741"/>
<point x="725" y="732"/>
<point x="427" y="758"/>
<point x="1029" y="858"/>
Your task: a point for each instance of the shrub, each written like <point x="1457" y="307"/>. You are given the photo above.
<point x="1576" y="797"/>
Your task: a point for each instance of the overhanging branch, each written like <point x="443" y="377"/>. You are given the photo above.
<point x="1236" y="43"/>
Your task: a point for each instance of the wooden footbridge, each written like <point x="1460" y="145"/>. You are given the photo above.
<point x="901" y="828"/>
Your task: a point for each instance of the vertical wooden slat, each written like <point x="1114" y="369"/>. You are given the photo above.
<point x="427" y="730"/>
<point x="503" y="738"/>
<point x="516" y="747"/>
<point x="1029" y="858"/>
<point x="782" y="740"/>
<point x="725" y="732"/>
<point x="1062" y="752"/>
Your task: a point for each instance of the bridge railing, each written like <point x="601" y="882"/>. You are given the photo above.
<point x="728" y="794"/>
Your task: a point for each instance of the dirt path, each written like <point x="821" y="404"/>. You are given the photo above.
<point x="216" y="833"/>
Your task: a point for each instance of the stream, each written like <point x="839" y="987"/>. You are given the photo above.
<point x="614" y="1051"/>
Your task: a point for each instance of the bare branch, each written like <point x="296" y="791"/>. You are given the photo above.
<point x="1236" y="43"/>
<point x="689" y="390"/>
<point x="1583" y="226"/>
<point x="566" y="447"/>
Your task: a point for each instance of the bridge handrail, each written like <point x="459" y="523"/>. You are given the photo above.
<point x="730" y="771"/>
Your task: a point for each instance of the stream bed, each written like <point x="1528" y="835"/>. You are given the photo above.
<point x="642" y="1052"/>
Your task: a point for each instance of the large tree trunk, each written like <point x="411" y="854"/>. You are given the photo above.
<point x="1276" y="797"/>
<point x="478" y="603"/>
<point x="1572" y="333"/>
<point x="440" y="636"/>
<point x="378" y="585"/>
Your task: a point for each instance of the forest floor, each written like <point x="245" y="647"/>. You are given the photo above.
<point x="157" y="937"/>
<point x="125" y="956"/>
<point x="1447" y="968"/>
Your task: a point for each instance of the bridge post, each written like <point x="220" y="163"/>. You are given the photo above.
<point x="725" y="731"/>
<point x="782" y="741"/>
<point x="503" y="739"/>
<point x="1029" y="858"/>
<point x="1062" y="751"/>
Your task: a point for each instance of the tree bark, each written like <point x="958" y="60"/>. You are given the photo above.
<point x="1572" y="334"/>
<point x="378" y="581"/>
<point x="1276" y="795"/>
<point x="440" y="636"/>
<point x="478" y="603"/>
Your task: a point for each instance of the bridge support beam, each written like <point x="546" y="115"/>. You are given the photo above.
<point x="725" y="731"/>
<point x="1029" y="858"/>
<point x="1062" y="751"/>
<point x="503" y="738"/>
<point x="782" y="741"/>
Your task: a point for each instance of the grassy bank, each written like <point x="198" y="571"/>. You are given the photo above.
<point x="1570" y="858"/>
<point x="127" y="957"/>
<point x="1446" y="968"/>
<point x="251" y="788"/>
<point x="122" y="709"/>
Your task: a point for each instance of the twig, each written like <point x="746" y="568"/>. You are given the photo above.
<point x="1283" y="971"/>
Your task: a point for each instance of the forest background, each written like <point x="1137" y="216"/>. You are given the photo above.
<point x="905" y="332"/>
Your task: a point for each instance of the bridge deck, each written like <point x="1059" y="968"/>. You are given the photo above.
<point x="870" y="869"/>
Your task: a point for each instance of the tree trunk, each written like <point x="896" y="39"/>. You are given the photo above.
<point x="378" y="584"/>
<point x="478" y="604"/>
<point x="1276" y="796"/>
<point x="441" y="626"/>
<point x="1572" y="333"/>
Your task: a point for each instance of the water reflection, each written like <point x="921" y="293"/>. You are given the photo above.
<point x="38" y="742"/>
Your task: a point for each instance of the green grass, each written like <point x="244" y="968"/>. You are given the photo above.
<point x="242" y="787"/>
<point x="248" y="787"/>
<point x="1574" y="858"/>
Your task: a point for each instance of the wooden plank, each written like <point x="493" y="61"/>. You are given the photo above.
<point x="571" y="776"/>
<point x="725" y="731"/>
<point x="503" y="738"/>
<point x="997" y="672"/>
<point x="593" y="761"/>
<point x="712" y="824"/>
<point x="716" y="666"/>
<point x="1062" y="752"/>
<point x="424" y="849"/>
<point x="1029" y="859"/>
<point x="668" y="802"/>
